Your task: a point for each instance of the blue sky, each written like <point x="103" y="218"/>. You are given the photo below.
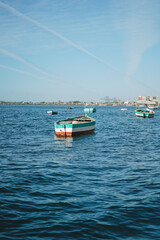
<point x="53" y="50"/>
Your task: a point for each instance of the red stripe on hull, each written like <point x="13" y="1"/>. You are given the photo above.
<point x="74" y="134"/>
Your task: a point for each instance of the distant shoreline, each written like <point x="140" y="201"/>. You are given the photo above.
<point x="65" y="103"/>
<point x="39" y="103"/>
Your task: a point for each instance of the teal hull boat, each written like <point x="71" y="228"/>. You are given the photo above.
<point x="144" y="113"/>
<point x="90" y="109"/>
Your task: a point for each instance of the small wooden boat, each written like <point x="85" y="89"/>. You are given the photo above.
<point x="51" y="112"/>
<point x="145" y="113"/>
<point x="75" y="126"/>
<point x="89" y="109"/>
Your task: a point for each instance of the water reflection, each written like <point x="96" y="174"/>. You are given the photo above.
<point x="68" y="142"/>
<point x="63" y="142"/>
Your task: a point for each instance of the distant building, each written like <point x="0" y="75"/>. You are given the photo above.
<point x="148" y="100"/>
<point x="142" y="98"/>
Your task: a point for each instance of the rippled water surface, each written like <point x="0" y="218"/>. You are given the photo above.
<point x="100" y="186"/>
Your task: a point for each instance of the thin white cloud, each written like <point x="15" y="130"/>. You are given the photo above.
<point x="11" y="55"/>
<point x="21" y="71"/>
<point x="138" y="22"/>
<point x="46" y="28"/>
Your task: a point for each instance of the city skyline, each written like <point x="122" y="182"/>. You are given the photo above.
<point x="79" y="50"/>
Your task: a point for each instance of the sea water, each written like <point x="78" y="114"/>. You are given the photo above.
<point x="105" y="185"/>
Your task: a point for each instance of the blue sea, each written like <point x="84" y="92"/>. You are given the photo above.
<point x="104" y="185"/>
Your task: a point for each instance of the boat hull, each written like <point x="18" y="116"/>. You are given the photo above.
<point x="64" y="134"/>
<point x="145" y="115"/>
<point x="71" y="130"/>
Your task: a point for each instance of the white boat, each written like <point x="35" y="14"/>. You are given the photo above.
<point x="51" y="112"/>
<point x="152" y="107"/>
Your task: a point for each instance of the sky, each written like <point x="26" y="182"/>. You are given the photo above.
<point x="69" y="50"/>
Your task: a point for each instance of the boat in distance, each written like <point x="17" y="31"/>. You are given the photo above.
<point x="51" y="112"/>
<point x="89" y="109"/>
<point x="153" y="107"/>
<point x="75" y="126"/>
<point x="144" y="113"/>
<point x="116" y="105"/>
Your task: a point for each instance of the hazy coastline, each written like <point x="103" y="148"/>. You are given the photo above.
<point x="66" y="103"/>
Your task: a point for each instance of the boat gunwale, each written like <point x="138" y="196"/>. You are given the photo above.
<point x="64" y="121"/>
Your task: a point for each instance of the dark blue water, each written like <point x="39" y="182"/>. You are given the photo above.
<point x="100" y="186"/>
